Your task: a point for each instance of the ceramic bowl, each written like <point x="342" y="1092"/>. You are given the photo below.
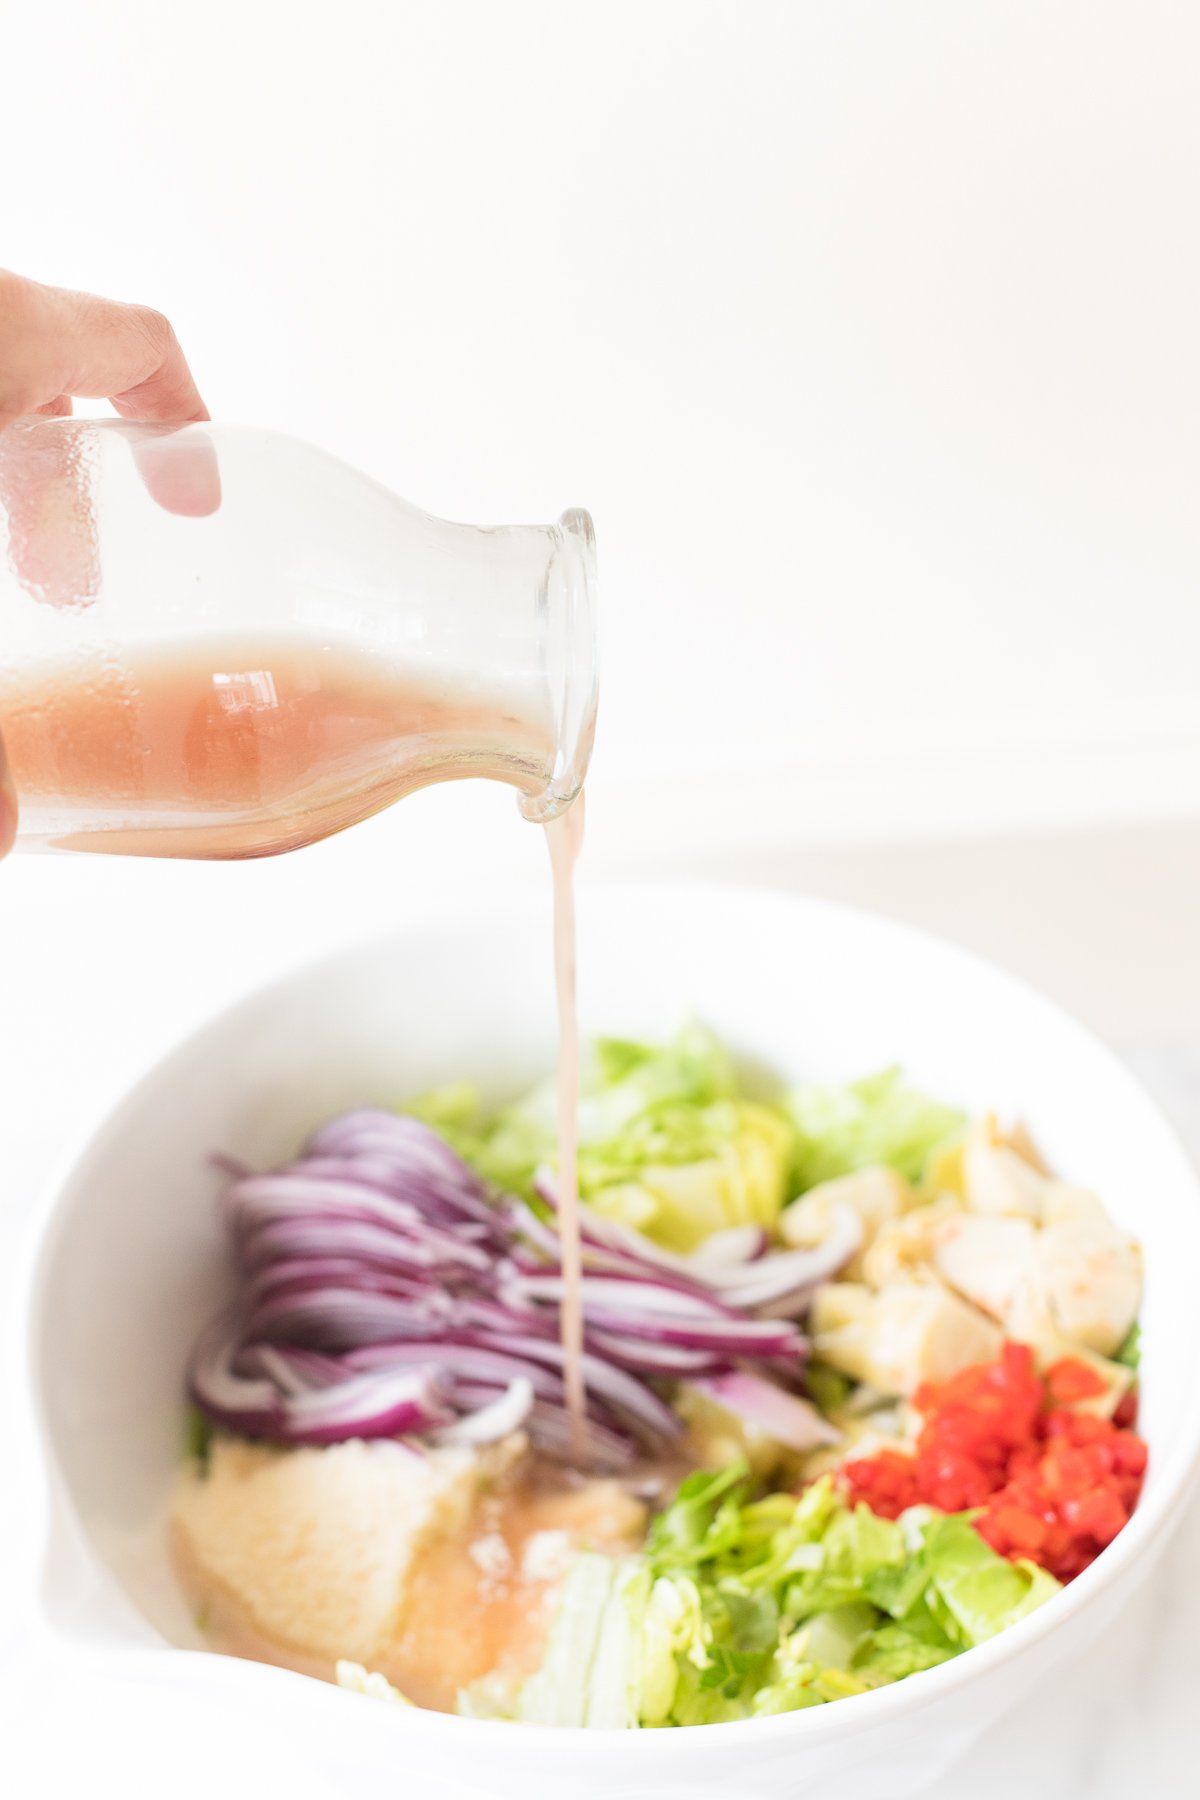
<point x="131" y="1263"/>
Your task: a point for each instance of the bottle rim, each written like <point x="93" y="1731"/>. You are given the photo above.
<point x="569" y="639"/>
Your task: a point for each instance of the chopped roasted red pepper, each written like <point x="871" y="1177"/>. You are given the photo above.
<point x="1069" y="1380"/>
<point x="1046" y="1482"/>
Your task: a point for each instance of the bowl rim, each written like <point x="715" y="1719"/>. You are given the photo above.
<point x="1152" y="1519"/>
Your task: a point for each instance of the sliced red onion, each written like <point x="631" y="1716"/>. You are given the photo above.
<point x="296" y="1203"/>
<point x="617" y="1389"/>
<point x="794" y="1274"/>
<point x="731" y="1337"/>
<point x="384" y="1292"/>
<point x="786" y="1418"/>
<point x="246" y="1404"/>
<point x="462" y="1362"/>
<point x="278" y="1367"/>
<point x="652" y="1359"/>
<point x="294" y="1370"/>
<point x="395" y="1404"/>
<point x="552" y="1430"/>
<point x="395" y="1175"/>
<point x="375" y="1132"/>
<point x="339" y="1318"/>
<point x="730" y="1248"/>
<point x="495" y="1420"/>
<point x="637" y="1294"/>
<point x="317" y="1235"/>
<point x="780" y="1279"/>
<point x="302" y="1274"/>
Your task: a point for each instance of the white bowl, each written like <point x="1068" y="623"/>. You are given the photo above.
<point x="131" y="1263"/>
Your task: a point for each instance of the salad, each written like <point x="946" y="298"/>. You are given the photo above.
<point x="860" y="1380"/>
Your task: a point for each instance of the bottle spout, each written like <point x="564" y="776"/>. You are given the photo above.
<point x="568" y="601"/>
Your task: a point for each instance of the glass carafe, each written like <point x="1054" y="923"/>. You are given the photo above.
<point x="217" y="641"/>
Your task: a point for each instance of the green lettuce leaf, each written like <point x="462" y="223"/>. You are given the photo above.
<point x="558" y="1693"/>
<point x="742" y="1607"/>
<point x="667" y="1144"/>
<point x="358" y="1680"/>
<point x="973" y="1593"/>
<point x="772" y="1604"/>
<point x="591" y="1672"/>
<point x="878" y="1120"/>
<point x="615" y="1682"/>
<point x="1130" y="1353"/>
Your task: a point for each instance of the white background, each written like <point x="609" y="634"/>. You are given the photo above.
<point x="868" y="333"/>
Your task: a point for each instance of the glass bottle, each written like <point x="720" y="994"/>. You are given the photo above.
<point x="221" y="642"/>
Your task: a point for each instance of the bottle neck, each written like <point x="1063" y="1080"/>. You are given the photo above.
<point x="568" y="637"/>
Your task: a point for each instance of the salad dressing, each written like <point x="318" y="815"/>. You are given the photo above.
<point x="237" y="747"/>
<point x="564" y="836"/>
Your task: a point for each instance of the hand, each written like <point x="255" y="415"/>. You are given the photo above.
<point x="54" y="345"/>
<point x="8" y="805"/>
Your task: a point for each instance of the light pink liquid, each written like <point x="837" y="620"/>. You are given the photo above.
<point x="564" y="837"/>
<point x="243" y="747"/>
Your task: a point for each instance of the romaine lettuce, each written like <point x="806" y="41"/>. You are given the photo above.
<point x="878" y="1120"/>
<point x="791" y="1601"/>
<point x="666" y="1142"/>
<point x="670" y="1145"/>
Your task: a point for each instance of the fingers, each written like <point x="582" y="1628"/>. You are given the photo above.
<point x="8" y="805"/>
<point x="54" y="342"/>
<point x="46" y="492"/>
<point x="178" y="469"/>
<point x="167" y="392"/>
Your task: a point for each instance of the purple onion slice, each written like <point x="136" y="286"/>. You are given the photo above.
<point x="787" y="1418"/>
<point x="495" y="1420"/>
<point x="385" y="1292"/>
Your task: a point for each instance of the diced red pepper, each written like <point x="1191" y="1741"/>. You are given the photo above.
<point x="1069" y="1381"/>
<point x="1046" y="1482"/>
<point x="1126" y="1413"/>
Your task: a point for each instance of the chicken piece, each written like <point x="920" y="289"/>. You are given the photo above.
<point x="875" y="1196"/>
<point x="997" y="1180"/>
<point x="904" y="1247"/>
<point x="985" y="1257"/>
<point x="1090" y="1274"/>
<point x="1017" y="1138"/>
<point x="910" y="1333"/>
<point x="1062" y="1202"/>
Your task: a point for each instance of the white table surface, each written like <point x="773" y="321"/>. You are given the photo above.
<point x="103" y="964"/>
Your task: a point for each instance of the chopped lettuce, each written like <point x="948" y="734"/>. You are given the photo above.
<point x="666" y="1142"/>
<point x="972" y="1592"/>
<point x="198" y="1436"/>
<point x="767" y="1605"/>
<point x="1130" y="1353"/>
<point x="353" y="1676"/>
<point x="669" y="1143"/>
<point x="558" y="1693"/>
<point x="878" y="1120"/>
<point x="827" y="1387"/>
<point x="613" y="1687"/>
<point x="741" y="1607"/>
<point x="591" y="1668"/>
